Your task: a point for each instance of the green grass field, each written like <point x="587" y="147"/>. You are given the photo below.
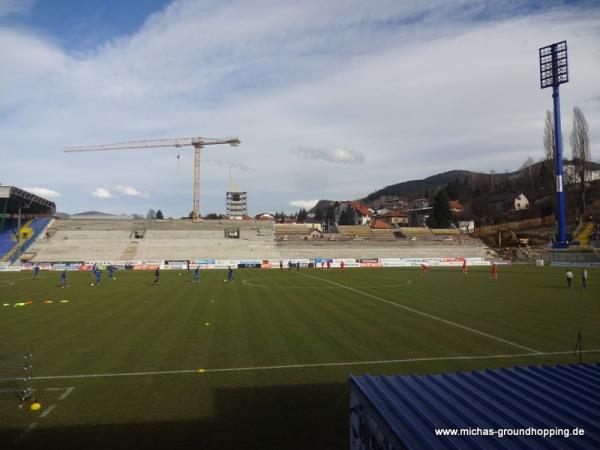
<point x="262" y="362"/>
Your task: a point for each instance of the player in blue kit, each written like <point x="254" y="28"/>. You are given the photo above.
<point x="63" y="279"/>
<point x="197" y="274"/>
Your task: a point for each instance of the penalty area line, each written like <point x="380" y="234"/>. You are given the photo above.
<point x="313" y="365"/>
<point x="424" y="314"/>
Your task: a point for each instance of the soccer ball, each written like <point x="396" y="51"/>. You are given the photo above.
<point x="224" y="281"/>
<point x="179" y="273"/>
<point x="92" y="284"/>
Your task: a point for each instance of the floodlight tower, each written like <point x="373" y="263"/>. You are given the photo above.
<point x="554" y="71"/>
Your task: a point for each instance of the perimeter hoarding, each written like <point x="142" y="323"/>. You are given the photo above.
<point x="6" y="267"/>
<point x="251" y="263"/>
<point x="175" y="265"/>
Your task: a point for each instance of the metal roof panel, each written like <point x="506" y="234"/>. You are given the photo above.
<point x="411" y="407"/>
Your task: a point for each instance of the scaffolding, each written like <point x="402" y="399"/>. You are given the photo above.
<point x="236" y="205"/>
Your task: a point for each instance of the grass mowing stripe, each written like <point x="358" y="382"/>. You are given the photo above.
<point x="416" y="311"/>
<point x="305" y="366"/>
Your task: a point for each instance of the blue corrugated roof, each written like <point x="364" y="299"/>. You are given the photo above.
<point x="553" y="397"/>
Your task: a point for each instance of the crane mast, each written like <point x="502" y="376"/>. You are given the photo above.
<point x="197" y="142"/>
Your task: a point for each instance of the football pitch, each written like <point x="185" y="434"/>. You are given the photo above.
<point x="262" y="362"/>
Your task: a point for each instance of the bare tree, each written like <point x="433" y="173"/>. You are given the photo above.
<point x="580" y="145"/>
<point x="527" y="169"/>
<point x="527" y="163"/>
<point x="549" y="142"/>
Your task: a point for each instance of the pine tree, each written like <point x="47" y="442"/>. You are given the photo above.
<point x="441" y="214"/>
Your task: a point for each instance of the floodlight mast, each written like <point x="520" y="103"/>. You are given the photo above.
<point x="554" y="71"/>
<point x="196" y="142"/>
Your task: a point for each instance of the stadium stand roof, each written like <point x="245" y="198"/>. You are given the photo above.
<point x="11" y="198"/>
<point x="408" y="409"/>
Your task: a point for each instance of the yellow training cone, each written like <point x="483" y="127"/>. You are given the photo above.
<point x="35" y="406"/>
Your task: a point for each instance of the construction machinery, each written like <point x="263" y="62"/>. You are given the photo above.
<point x="196" y="142"/>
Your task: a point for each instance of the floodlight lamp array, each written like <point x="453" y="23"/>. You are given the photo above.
<point x="554" y="69"/>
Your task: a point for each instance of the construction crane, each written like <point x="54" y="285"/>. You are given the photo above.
<point x="196" y="142"/>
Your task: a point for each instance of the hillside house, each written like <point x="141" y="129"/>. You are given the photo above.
<point x="420" y="203"/>
<point x="509" y="201"/>
<point x="520" y="202"/>
<point x="456" y="207"/>
<point x="362" y="214"/>
<point x="390" y="202"/>
<point x="394" y="218"/>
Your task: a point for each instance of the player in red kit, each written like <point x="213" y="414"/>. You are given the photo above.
<point x="328" y="264"/>
<point x="424" y="267"/>
<point x="494" y="272"/>
<point x="342" y="265"/>
<point x="464" y="265"/>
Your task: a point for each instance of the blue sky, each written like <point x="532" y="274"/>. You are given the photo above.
<point x="82" y="25"/>
<point x="330" y="99"/>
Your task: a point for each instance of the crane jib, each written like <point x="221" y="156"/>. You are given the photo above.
<point x="157" y="143"/>
<point x="196" y="142"/>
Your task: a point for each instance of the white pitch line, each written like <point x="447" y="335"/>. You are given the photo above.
<point x="47" y="411"/>
<point x="431" y="316"/>
<point x="304" y="366"/>
<point x="122" y="374"/>
<point x="26" y="431"/>
<point x="66" y="393"/>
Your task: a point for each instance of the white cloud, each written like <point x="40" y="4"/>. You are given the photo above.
<point x="131" y="191"/>
<point x="306" y="204"/>
<point x="43" y="192"/>
<point x="334" y="155"/>
<point x="102" y="193"/>
<point x="415" y="83"/>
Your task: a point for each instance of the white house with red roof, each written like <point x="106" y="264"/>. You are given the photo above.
<point x="362" y="214"/>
